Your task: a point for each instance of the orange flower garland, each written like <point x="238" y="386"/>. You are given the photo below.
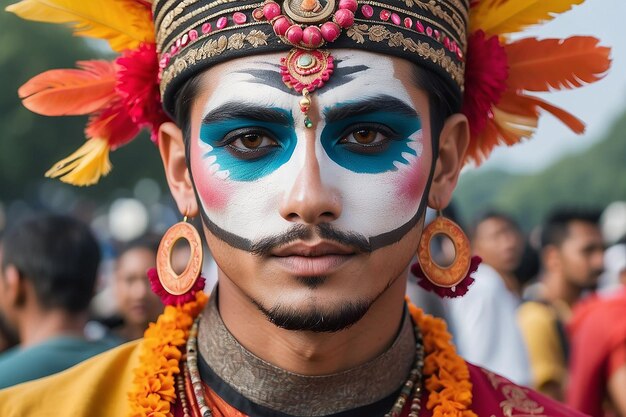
<point x="153" y="392"/>
<point x="447" y="375"/>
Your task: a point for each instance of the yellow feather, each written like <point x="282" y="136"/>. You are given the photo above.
<point x="497" y="17"/>
<point x="123" y="23"/>
<point x="85" y="166"/>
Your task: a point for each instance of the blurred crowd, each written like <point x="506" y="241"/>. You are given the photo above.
<point x="546" y="309"/>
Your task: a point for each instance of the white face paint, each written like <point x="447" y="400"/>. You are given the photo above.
<point x="368" y="146"/>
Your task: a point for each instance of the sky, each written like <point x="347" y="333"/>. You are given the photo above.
<point x="597" y="104"/>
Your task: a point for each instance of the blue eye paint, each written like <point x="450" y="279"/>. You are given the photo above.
<point x="372" y="163"/>
<point x="255" y="168"/>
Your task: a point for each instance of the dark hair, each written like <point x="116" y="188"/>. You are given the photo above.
<point x="556" y="227"/>
<point x="148" y="241"/>
<point x="489" y="215"/>
<point x="59" y="255"/>
<point x="443" y="100"/>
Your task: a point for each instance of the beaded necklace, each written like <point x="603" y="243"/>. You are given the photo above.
<point x="412" y="388"/>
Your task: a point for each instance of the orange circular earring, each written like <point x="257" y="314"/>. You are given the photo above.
<point x="452" y="280"/>
<point x="172" y="287"/>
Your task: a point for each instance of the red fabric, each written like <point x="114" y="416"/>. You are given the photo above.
<point x="598" y="339"/>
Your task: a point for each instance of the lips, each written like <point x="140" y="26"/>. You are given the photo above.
<point x="312" y="260"/>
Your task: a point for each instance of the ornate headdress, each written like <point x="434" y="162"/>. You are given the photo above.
<point x="466" y="42"/>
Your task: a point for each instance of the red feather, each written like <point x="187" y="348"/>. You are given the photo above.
<point x="71" y="91"/>
<point x="113" y="124"/>
<point x="541" y="65"/>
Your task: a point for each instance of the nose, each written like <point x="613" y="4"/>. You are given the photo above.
<point x="310" y="200"/>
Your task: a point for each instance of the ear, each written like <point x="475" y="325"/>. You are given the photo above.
<point x="172" y="148"/>
<point x="453" y="143"/>
<point x="14" y="287"/>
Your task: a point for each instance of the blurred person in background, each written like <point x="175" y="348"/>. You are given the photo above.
<point x="8" y="338"/>
<point x="483" y="322"/>
<point x="48" y="266"/>
<point x="572" y="260"/>
<point x="597" y="366"/>
<point x="137" y="304"/>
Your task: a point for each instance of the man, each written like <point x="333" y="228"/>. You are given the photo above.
<point x="49" y="268"/>
<point x="312" y="203"/>
<point x="597" y="366"/>
<point x="483" y="321"/>
<point x="572" y="261"/>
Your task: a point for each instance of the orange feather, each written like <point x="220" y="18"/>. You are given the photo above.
<point x="70" y="91"/>
<point x="542" y="65"/>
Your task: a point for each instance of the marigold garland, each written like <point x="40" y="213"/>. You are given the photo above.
<point x="153" y="393"/>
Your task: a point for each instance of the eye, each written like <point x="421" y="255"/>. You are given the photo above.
<point x="249" y="143"/>
<point x="367" y="138"/>
<point x="252" y="141"/>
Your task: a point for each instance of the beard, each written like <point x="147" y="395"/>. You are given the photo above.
<point x="316" y="319"/>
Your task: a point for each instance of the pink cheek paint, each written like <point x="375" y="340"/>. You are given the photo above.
<point x="412" y="180"/>
<point x="212" y="191"/>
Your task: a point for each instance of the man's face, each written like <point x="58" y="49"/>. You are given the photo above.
<point x="581" y="255"/>
<point x="499" y="243"/>
<point x="316" y="221"/>
<point x="136" y="301"/>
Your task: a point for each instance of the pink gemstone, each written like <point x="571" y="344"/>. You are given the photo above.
<point x="385" y="15"/>
<point x="163" y="62"/>
<point x="453" y="46"/>
<point x="408" y="22"/>
<point x="206" y="28"/>
<point x="330" y="31"/>
<point x="367" y="10"/>
<point x="446" y="42"/>
<point x="294" y="34"/>
<point x="429" y="31"/>
<point x="222" y="22"/>
<point x="178" y="43"/>
<point x="395" y="19"/>
<point x="174" y="49"/>
<point x="344" y="18"/>
<point x="271" y="10"/>
<point x="312" y="36"/>
<point x="184" y="40"/>
<point x="437" y="34"/>
<point x="459" y="53"/>
<point x="193" y="35"/>
<point x="348" y="4"/>
<point x="281" y="25"/>
<point x="419" y="26"/>
<point x="239" y="18"/>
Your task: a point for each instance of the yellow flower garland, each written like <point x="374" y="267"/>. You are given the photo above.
<point x="153" y="393"/>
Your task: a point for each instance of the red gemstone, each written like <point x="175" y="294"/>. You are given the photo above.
<point x="281" y="25"/>
<point x="312" y="36"/>
<point x="206" y="28"/>
<point x="239" y="18"/>
<point x="419" y="26"/>
<point x="395" y="19"/>
<point x="385" y="15"/>
<point x="294" y="34"/>
<point x="222" y="22"/>
<point x="344" y="18"/>
<point x="367" y="10"/>
<point x="348" y="4"/>
<point x="330" y="31"/>
<point x="184" y="40"/>
<point x="453" y="46"/>
<point x="437" y="34"/>
<point x="408" y="22"/>
<point x="446" y="42"/>
<point x="193" y="35"/>
<point x="429" y="31"/>
<point x="271" y="10"/>
<point x="459" y="53"/>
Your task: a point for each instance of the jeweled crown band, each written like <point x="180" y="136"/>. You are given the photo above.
<point x="193" y="35"/>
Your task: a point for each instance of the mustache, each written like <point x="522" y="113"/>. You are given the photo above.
<point x="358" y="242"/>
